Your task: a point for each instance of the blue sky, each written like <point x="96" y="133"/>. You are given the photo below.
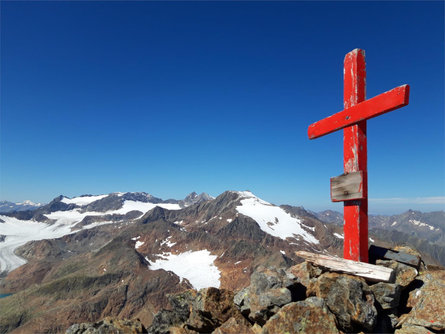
<point x="174" y="97"/>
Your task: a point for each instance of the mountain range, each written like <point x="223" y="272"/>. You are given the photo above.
<point x="122" y="254"/>
<point x="424" y="231"/>
<point x="6" y="206"/>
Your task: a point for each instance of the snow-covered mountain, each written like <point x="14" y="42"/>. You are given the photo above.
<point x="64" y="216"/>
<point x="6" y="206"/>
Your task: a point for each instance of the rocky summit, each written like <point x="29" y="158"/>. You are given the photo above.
<point x="302" y="298"/>
<point x="134" y="263"/>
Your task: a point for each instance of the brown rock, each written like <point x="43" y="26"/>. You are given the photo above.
<point x="308" y="316"/>
<point x="211" y="308"/>
<point x="412" y="329"/>
<point x="414" y="297"/>
<point x="180" y="330"/>
<point x="305" y="272"/>
<point x="257" y="329"/>
<point x="349" y="298"/>
<point x="234" y="326"/>
<point x="428" y="302"/>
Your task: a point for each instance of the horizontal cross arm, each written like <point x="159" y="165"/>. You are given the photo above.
<point x="378" y="105"/>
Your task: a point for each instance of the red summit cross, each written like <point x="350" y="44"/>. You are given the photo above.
<point x="352" y="186"/>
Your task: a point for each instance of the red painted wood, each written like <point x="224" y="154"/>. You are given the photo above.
<point x="353" y="122"/>
<point x="378" y="105"/>
<point x="355" y="245"/>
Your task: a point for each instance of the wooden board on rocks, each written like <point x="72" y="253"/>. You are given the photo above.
<point x="368" y="271"/>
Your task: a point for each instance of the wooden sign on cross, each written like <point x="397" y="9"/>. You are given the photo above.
<point x="352" y="120"/>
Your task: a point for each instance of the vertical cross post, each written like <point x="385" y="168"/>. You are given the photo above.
<point x="355" y="159"/>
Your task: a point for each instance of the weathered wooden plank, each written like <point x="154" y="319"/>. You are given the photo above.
<point x="347" y="187"/>
<point x="368" y="271"/>
<point x="395" y="98"/>
<point x="376" y="252"/>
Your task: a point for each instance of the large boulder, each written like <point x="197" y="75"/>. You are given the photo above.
<point x="211" y="308"/>
<point x="349" y="298"/>
<point x="428" y="302"/>
<point x="269" y="289"/>
<point x="180" y="304"/>
<point x="306" y="273"/>
<point x="308" y="316"/>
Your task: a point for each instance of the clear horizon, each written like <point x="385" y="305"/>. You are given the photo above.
<point x="171" y="97"/>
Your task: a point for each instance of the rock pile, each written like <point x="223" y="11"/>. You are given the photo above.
<point x="309" y="299"/>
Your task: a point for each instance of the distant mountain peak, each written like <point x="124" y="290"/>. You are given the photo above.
<point x="193" y="198"/>
<point x="6" y="206"/>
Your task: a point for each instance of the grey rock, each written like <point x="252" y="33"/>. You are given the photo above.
<point x="269" y="289"/>
<point x="404" y="274"/>
<point x="387" y="294"/>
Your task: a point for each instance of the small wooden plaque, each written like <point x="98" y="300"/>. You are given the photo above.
<point x="347" y="187"/>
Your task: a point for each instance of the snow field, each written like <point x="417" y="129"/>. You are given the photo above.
<point x="272" y="219"/>
<point x="19" y="232"/>
<point x="196" y="266"/>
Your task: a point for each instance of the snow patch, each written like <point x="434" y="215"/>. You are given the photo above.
<point x="273" y="219"/>
<point x="167" y="242"/>
<point x="196" y="266"/>
<point x="139" y="244"/>
<point x="310" y="227"/>
<point x="143" y="207"/>
<point x="419" y="223"/>
<point x="82" y="200"/>
<point x="338" y="236"/>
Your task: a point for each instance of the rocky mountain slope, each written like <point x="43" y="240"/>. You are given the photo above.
<point x="303" y="298"/>
<point x="422" y="231"/>
<point x="121" y="254"/>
